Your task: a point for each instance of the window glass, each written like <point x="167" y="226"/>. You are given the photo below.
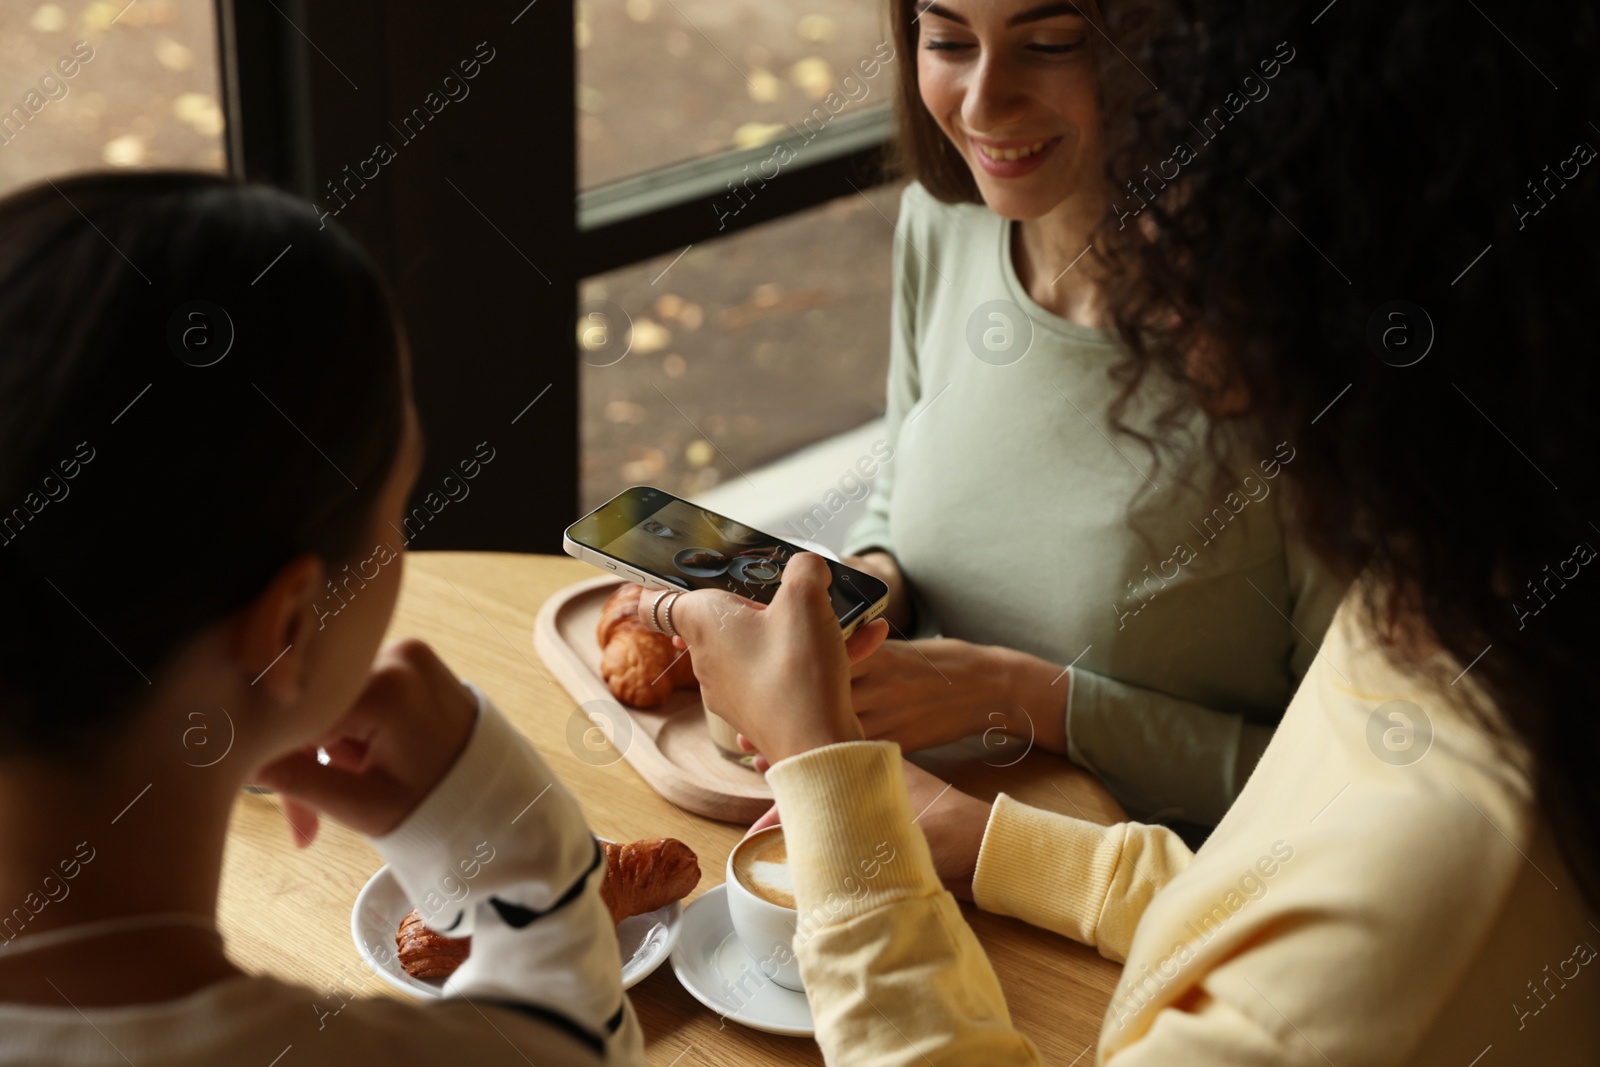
<point x="739" y="352"/>
<point x="660" y="81"/>
<point x="107" y="82"/>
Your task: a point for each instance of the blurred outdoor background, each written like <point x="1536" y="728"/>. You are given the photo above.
<point x="744" y="350"/>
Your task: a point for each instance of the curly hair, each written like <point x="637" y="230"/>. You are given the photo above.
<point x="1390" y="242"/>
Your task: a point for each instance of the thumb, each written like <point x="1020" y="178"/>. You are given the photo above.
<point x="771" y="818"/>
<point x="806" y="576"/>
<point x="864" y="642"/>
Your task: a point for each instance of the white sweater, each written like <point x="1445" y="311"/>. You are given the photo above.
<point x="542" y="985"/>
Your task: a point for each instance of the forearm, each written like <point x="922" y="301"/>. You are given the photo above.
<point x="1162" y="756"/>
<point x="1036" y="693"/>
<point x="882" y="947"/>
<point x="499" y="850"/>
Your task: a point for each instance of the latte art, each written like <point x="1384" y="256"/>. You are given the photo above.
<point x="761" y="864"/>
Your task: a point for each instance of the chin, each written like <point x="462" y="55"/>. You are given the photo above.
<point x="1016" y="205"/>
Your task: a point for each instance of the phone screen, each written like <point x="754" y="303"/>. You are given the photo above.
<point x="685" y="545"/>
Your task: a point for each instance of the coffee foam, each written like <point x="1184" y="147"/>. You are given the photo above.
<point x="763" y="867"/>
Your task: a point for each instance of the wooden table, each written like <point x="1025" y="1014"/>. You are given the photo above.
<point x="286" y="912"/>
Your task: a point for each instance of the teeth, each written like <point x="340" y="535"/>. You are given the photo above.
<point x="1011" y="153"/>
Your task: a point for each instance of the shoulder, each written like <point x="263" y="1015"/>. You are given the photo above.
<point x="346" y="1027"/>
<point x="1438" y="810"/>
<point x="933" y="226"/>
<point x="919" y="206"/>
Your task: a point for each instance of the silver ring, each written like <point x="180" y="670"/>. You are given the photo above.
<point x="655" y="606"/>
<point x="671" y="599"/>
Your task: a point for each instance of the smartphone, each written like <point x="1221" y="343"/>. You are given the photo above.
<point x="648" y="535"/>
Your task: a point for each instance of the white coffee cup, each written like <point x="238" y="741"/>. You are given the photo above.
<point x="765" y="928"/>
<point x="723" y="734"/>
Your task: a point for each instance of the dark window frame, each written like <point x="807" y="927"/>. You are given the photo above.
<point x="488" y="271"/>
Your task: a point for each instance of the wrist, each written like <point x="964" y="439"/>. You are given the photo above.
<point x="1036" y="697"/>
<point x="808" y="736"/>
<point x="960" y="837"/>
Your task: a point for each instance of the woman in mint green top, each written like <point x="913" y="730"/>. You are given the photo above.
<point x="1006" y="510"/>
<point x="1003" y="521"/>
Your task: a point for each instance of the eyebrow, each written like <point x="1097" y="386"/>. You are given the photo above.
<point x="1034" y="14"/>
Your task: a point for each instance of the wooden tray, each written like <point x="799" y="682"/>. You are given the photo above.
<point x="669" y="746"/>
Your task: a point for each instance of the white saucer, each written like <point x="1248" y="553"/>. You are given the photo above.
<point x="645" y="940"/>
<point x="717" y="971"/>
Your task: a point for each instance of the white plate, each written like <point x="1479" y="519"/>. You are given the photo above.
<point x="645" y="939"/>
<point x="715" y="968"/>
<point x="739" y="570"/>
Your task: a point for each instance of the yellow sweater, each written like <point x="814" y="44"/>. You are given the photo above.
<point x="1382" y="892"/>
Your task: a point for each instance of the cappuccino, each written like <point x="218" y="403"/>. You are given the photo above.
<point x="761" y="863"/>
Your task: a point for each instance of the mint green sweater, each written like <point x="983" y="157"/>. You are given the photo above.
<point x="1022" y="518"/>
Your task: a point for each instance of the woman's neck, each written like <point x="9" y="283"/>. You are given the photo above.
<point x="1048" y="255"/>
<point x="82" y="842"/>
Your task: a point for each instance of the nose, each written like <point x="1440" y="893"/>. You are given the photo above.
<point x="994" y="99"/>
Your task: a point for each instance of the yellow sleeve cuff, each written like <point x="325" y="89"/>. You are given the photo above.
<point x="1050" y="870"/>
<point x="848" y="823"/>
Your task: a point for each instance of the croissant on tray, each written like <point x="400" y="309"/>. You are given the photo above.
<point x="639" y="665"/>
<point x="640" y="876"/>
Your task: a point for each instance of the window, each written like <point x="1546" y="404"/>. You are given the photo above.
<point x="723" y="345"/>
<point x="108" y="83"/>
<point x="662" y="81"/>
<point x="724" y="158"/>
<point x="742" y="351"/>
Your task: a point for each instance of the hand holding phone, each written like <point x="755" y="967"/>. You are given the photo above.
<point x="650" y="536"/>
<point x="778" y="672"/>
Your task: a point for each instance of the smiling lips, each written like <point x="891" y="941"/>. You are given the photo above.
<point x="1012" y="159"/>
<point x="1011" y="153"/>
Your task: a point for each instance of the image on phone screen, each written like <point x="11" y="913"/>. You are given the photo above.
<point x="685" y="545"/>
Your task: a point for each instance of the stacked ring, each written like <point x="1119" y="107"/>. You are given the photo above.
<point x="661" y="620"/>
<point x="666" y="626"/>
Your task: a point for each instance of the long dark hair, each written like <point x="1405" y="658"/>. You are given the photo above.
<point x="921" y="149"/>
<point x="197" y="383"/>
<point x="1408" y="176"/>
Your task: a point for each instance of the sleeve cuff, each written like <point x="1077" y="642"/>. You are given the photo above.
<point x="1073" y="753"/>
<point x="853" y="846"/>
<point x="1050" y="870"/>
<point x="868" y="536"/>
<point x="1083" y="707"/>
<point x="498" y="817"/>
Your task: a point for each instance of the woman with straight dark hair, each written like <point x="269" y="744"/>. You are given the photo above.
<point x="206" y="444"/>
<point x="1387" y="260"/>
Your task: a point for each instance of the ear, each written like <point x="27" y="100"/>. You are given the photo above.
<point x="273" y="633"/>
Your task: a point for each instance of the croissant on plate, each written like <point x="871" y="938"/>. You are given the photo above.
<point x="425" y="954"/>
<point x="639" y="665"/>
<point x="639" y="877"/>
<point x="642" y="876"/>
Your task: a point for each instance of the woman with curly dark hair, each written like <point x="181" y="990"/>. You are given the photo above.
<point x="1388" y="260"/>
<point x="1156" y="649"/>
